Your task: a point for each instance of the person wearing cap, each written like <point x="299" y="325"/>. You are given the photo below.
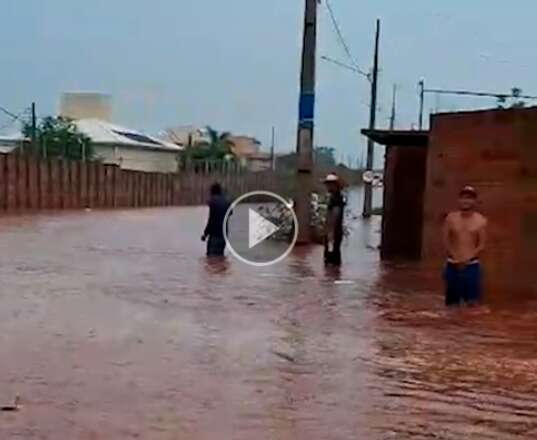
<point x="464" y="235"/>
<point x="334" y="221"/>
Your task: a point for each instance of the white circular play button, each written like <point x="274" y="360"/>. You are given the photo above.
<point x="260" y="228"/>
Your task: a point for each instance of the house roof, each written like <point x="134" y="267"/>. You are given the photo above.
<point x="261" y="156"/>
<point x="101" y="132"/>
<point x="244" y="146"/>
<point x="8" y="143"/>
<point x="400" y="138"/>
<point x="180" y="135"/>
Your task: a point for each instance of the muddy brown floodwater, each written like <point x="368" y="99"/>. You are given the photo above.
<point x="113" y="326"/>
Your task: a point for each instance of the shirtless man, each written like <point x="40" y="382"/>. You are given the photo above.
<point x="465" y="234"/>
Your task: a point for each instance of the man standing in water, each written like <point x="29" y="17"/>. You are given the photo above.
<point x="334" y="221"/>
<point x="465" y="234"/>
<point x="214" y="231"/>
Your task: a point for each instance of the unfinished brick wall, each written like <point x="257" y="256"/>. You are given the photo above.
<point x="496" y="151"/>
<point x="402" y="220"/>
<point x="28" y="183"/>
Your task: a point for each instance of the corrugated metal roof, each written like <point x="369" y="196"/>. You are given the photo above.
<point x="9" y="143"/>
<point x="13" y="137"/>
<point x="400" y="138"/>
<point x="102" y="132"/>
<point x="182" y="135"/>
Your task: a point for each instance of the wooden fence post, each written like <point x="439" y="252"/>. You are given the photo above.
<point x="128" y="182"/>
<point x="22" y="182"/>
<point x="55" y="182"/>
<point x="83" y="184"/>
<point x="108" y="186"/>
<point x="74" y="173"/>
<point x="65" y="184"/>
<point x="101" y="191"/>
<point x="33" y="183"/>
<point x="44" y="184"/>
<point x="116" y="187"/>
<point x="3" y="183"/>
<point x="11" y="180"/>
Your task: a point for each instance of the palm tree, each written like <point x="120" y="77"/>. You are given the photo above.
<point x="220" y="144"/>
<point x="214" y="152"/>
<point x="218" y="147"/>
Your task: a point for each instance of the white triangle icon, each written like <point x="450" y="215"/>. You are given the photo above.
<point x="259" y="228"/>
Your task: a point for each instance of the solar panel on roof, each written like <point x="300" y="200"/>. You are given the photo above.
<point x="137" y="137"/>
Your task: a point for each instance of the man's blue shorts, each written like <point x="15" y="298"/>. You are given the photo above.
<point x="464" y="284"/>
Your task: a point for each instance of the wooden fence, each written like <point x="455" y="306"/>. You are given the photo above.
<point x="29" y="183"/>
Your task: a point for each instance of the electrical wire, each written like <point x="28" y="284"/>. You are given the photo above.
<point x="7" y="112"/>
<point x="14" y="117"/>
<point x="341" y="38"/>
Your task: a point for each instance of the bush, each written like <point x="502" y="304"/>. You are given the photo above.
<point x="59" y="137"/>
<point x="319" y="203"/>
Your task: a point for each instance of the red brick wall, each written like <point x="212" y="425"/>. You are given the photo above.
<point x="496" y="151"/>
<point x="402" y="220"/>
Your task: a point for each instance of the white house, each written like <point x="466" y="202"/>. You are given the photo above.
<point x="186" y="135"/>
<point x="91" y="112"/>
<point x="9" y="143"/>
<point x="129" y="149"/>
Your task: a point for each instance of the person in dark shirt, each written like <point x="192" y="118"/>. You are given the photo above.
<point x="214" y="231"/>
<point x="334" y="221"/>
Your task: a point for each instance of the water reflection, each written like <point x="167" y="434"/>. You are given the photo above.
<point x="96" y="312"/>
<point x="216" y="265"/>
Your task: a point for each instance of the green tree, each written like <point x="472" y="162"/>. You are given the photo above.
<point x="217" y="148"/>
<point x="220" y="145"/>
<point x="325" y="157"/>
<point x="59" y="137"/>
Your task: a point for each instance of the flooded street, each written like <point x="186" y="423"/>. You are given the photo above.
<point x="113" y="326"/>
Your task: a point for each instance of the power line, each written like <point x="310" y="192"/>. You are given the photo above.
<point x="516" y="93"/>
<point x="346" y="66"/>
<point x="341" y="38"/>
<point x="7" y="112"/>
<point x="479" y="94"/>
<point x="351" y="69"/>
<point x="14" y="117"/>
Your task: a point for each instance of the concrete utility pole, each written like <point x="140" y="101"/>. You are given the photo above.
<point x="368" y="193"/>
<point x="34" y="129"/>
<point x="394" y="107"/>
<point x="421" y="88"/>
<point x="306" y="115"/>
<point x="272" y="153"/>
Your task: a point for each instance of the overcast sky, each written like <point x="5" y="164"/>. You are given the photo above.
<point x="234" y="64"/>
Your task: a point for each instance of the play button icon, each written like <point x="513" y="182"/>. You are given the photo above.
<point x="260" y="228"/>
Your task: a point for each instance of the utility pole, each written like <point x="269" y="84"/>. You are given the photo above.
<point x="368" y="194"/>
<point x="394" y="108"/>
<point x="34" y="129"/>
<point x="306" y="123"/>
<point x="272" y="155"/>
<point x="421" y="88"/>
